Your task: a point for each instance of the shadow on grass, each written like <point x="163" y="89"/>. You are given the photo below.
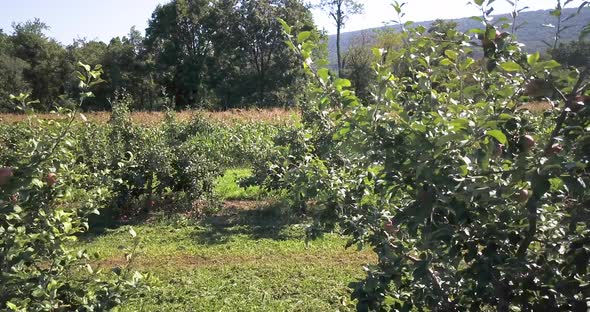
<point x="257" y="220"/>
<point x="253" y="219"/>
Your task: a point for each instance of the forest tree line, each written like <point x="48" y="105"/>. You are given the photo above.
<point x="218" y="54"/>
<point x="195" y="54"/>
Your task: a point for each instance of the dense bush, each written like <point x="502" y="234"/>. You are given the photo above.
<point x="472" y="198"/>
<point x="46" y="196"/>
<point x="170" y="165"/>
<point x="58" y="176"/>
<point x="575" y="53"/>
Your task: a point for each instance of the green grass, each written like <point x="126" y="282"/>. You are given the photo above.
<point x="227" y="187"/>
<point x="242" y="259"/>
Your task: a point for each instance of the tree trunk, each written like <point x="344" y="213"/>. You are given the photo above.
<point x="339" y="22"/>
<point x="149" y="204"/>
<point x="503" y="295"/>
<point x="338" y="50"/>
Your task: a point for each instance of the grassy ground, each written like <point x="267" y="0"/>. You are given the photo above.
<point x="227" y="186"/>
<point x="248" y="257"/>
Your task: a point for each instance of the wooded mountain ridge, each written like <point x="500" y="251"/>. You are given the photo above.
<point x="531" y="33"/>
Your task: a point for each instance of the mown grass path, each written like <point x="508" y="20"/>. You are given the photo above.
<point x="247" y="257"/>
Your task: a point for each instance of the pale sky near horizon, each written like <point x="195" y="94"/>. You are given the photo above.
<point x="105" y="19"/>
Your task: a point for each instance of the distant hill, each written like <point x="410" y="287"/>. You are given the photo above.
<point x="531" y="34"/>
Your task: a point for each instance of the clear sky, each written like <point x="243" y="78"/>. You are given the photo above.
<point x="104" y="19"/>
<point x="378" y="12"/>
<point x="71" y="19"/>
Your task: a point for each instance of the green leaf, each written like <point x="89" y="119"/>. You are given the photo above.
<point x="505" y="116"/>
<point x="446" y="62"/>
<point x="67" y="227"/>
<point x="38" y="183"/>
<point x="491" y="33"/>
<point x="286" y="27"/>
<point x="452" y="55"/>
<point x="80" y="76"/>
<point x="532" y="59"/>
<point x="324" y="74"/>
<point x="467" y="63"/>
<point x="86" y="67"/>
<point x="498" y="135"/>
<point x="12" y="306"/>
<point x="342" y="83"/>
<point x="511" y="66"/>
<point x="549" y="64"/>
<point x="377" y="52"/>
<point x="304" y="35"/>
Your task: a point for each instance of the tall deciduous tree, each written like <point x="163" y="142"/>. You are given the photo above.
<point x="179" y="38"/>
<point x="126" y="67"/>
<point x="575" y="53"/>
<point x="273" y="67"/>
<point x="11" y="73"/>
<point x="226" y="80"/>
<point x="218" y="54"/>
<point x="357" y="64"/>
<point x="48" y="68"/>
<point x="227" y="53"/>
<point x="340" y="11"/>
<point x="93" y="53"/>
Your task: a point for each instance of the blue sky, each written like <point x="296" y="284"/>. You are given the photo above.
<point x="70" y="19"/>
<point x="104" y="19"/>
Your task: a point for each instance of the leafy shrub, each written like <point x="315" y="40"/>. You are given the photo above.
<point x="168" y="166"/>
<point x="575" y="53"/>
<point x="46" y="196"/>
<point x="150" y="163"/>
<point x="470" y="201"/>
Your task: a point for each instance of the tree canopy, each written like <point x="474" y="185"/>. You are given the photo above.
<point x="195" y="54"/>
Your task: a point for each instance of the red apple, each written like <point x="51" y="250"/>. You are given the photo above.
<point x="498" y="150"/>
<point x="527" y="143"/>
<point x="5" y="174"/>
<point x="51" y="179"/>
<point x="390" y="228"/>
<point x="583" y="99"/>
<point x="554" y="149"/>
<point x="523" y="196"/>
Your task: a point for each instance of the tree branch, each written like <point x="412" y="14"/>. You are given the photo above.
<point x="531" y="207"/>
<point x="569" y="101"/>
<point x="436" y="283"/>
<point x="532" y="203"/>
